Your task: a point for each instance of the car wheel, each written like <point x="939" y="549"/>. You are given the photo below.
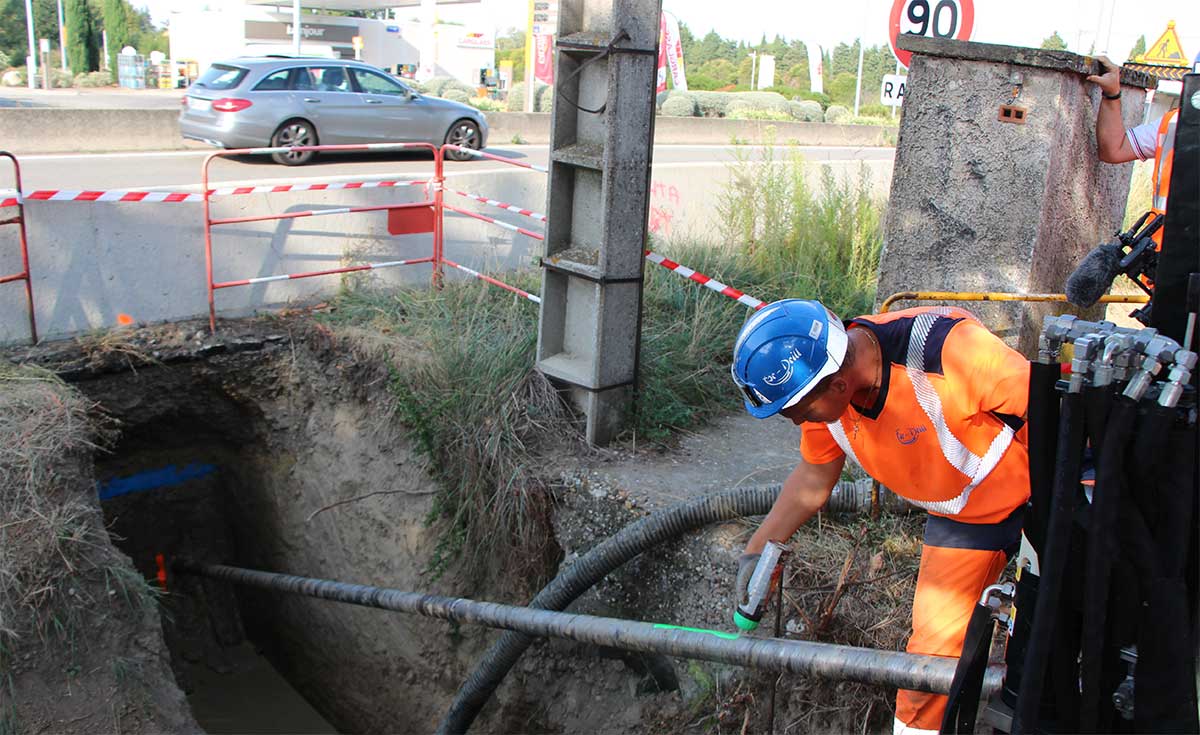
<point x="294" y="133"/>
<point x="465" y="134"/>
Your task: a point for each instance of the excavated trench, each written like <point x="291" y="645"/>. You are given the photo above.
<point x="276" y="446"/>
<point x="281" y="454"/>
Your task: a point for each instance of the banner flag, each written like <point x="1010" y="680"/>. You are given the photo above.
<point x="661" y="85"/>
<point x="675" y="52"/>
<point x="816" y="71"/>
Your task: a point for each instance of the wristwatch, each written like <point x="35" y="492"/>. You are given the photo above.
<point x="1107" y="96"/>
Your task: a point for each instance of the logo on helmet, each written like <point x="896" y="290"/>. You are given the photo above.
<point x="786" y="368"/>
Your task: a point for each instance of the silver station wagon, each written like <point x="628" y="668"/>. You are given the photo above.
<point x="277" y="101"/>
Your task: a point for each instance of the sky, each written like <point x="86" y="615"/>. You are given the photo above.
<point x="1113" y="26"/>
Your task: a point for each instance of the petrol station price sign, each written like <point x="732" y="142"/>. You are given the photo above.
<point x="930" y="18"/>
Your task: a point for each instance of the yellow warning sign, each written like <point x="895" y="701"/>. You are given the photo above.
<point x="1166" y="50"/>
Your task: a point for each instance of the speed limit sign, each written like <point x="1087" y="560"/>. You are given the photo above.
<point x="932" y="18"/>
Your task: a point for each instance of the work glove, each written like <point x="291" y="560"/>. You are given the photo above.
<point x="746" y="565"/>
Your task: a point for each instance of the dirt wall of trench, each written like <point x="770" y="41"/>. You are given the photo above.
<point x="313" y="475"/>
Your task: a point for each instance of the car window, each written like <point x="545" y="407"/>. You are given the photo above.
<point x="325" y="79"/>
<point x="274" y="82"/>
<point x="374" y="83"/>
<point x="221" y="76"/>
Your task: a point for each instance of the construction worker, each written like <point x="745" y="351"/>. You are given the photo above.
<point x="930" y="404"/>
<point x="1116" y="144"/>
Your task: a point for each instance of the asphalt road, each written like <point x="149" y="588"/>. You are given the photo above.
<point x="181" y="169"/>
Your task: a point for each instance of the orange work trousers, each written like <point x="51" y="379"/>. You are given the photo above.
<point x="958" y="561"/>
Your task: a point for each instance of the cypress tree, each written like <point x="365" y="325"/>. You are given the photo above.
<point x="82" y="54"/>
<point x="116" y="27"/>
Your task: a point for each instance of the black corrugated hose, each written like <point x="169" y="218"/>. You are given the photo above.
<point x="590" y="569"/>
<point x="1053" y="564"/>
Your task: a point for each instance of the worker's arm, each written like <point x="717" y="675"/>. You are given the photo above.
<point x="804" y="493"/>
<point x="1112" y="145"/>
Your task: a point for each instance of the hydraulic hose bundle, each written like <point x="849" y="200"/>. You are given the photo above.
<point x="1104" y="640"/>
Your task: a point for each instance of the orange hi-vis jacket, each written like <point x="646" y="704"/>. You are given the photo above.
<point x="1164" y="156"/>
<point x="947" y="430"/>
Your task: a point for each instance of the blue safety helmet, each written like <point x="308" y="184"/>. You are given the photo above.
<point x="783" y="351"/>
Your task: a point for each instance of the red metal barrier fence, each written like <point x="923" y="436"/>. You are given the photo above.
<point x="405" y="218"/>
<point x="209" y="221"/>
<point x="15" y="200"/>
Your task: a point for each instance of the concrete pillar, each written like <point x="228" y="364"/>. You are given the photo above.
<point x="988" y="200"/>
<point x="598" y="200"/>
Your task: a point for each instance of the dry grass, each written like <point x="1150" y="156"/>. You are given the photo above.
<point x="48" y="527"/>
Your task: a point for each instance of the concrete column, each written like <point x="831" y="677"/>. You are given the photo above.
<point x="598" y="200"/>
<point x="988" y="200"/>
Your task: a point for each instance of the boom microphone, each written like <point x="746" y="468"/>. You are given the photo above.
<point x="1094" y="274"/>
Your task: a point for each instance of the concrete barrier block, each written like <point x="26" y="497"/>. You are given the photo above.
<point x="56" y="130"/>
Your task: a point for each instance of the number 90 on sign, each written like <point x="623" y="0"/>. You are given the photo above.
<point x="932" y="19"/>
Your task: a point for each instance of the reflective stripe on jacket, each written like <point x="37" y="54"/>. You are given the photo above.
<point x="946" y="431"/>
<point x="1164" y="156"/>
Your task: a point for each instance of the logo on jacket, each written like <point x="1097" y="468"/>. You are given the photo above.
<point x="909" y="435"/>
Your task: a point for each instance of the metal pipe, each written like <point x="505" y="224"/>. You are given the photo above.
<point x="999" y="296"/>
<point x="884" y="668"/>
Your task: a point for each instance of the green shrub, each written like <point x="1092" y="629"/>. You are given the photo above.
<point x="743" y="110"/>
<point x="436" y="85"/>
<point x="516" y="98"/>
<point x="764" y="101"/>
<point x="15" y="77"/>
<point x="882" y="122"/>
<point x="59" y="79"/>
<point x="819" y="98"/>
<point x="836" y="114"/>
<point x="807" y="111"/>
<point x="4" y="61"/>
<point x="458" y="86"/>
<point x="661" y="98"/>
<point x="680" y="106"/>
<point x="545" y="99"/>
<point x="712" y="104"/>
<point x="94" y="79"/>
<point x="487" y="104"/>
<point x="875" y="111"/>
<point x="456" y="95"/>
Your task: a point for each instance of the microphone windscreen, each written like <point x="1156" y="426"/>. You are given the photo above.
<point x="1094" y="274"/>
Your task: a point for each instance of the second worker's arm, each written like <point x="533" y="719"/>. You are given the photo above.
<point x="1112" y="146"/>
<point x="804" y="493"/>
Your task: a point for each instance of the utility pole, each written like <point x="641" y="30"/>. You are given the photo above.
<point x="530" y="52"/>
<point x="753" y="68"/>
<point x="62" y="37"/>
<point x="297" y="35"/>
<point x="31" y="60"/>
<point x="858" y="82"/>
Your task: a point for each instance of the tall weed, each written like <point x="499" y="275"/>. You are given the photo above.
<point x="821" y="242"/>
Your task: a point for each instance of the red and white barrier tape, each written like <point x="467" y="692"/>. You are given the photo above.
<point x="493" y="281"/>
<point x="705" y="281"/>
<point x="492" y="220"/>
<point x="653" y="257"/>
<point x="126" y="195"/>
<point x="500" y="205"/>
<point x="295" y="276"/>
<point x="9" y="197"/>
<point x="502" y="159"/>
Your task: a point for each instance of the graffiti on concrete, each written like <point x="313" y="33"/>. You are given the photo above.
<point x="664" y="200"/>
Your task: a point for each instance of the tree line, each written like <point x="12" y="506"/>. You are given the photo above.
<point x="84" y="22"/>
<point x="720" y="64"/>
